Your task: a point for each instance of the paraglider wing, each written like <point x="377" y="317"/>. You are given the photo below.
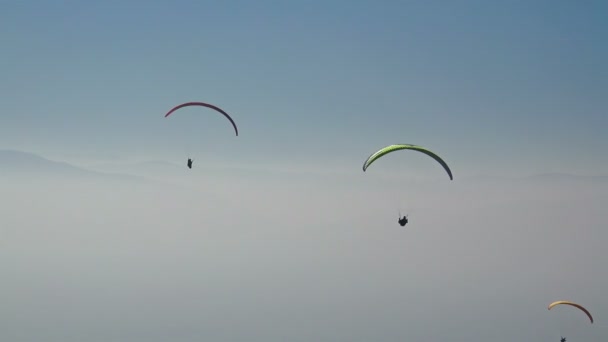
<point x="578" y="306"/>
<point x="204" y="105"/>
<point x="393" y="148"/>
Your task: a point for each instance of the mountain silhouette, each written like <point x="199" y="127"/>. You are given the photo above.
<point x="18" y="164"/>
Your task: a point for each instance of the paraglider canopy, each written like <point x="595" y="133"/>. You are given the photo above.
<point x="578" y="306"/>
<point x="392" y="148"/>
<point x="187" y="104"/>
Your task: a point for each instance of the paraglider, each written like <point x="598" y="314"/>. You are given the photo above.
<point x="392" y="148"/>
<point x="402" y="220"/>
<point x="187" y="104"/>
<point x="203" y="104"/>
<point x="578" y="306"/>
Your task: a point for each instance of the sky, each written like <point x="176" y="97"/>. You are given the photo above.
<point x="489" y="86"/>
<point x="277" y="234"/>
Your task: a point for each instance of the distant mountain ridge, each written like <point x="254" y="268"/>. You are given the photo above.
<point x="540" y="177"/>
<point x="15" y="163"/>
<point x="567" y="176"/>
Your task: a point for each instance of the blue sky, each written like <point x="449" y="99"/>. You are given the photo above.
<point x="511" y="87"/>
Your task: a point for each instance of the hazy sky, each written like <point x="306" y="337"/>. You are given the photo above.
<point x="299" y="257"/>
<point x="277" y="234"/>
